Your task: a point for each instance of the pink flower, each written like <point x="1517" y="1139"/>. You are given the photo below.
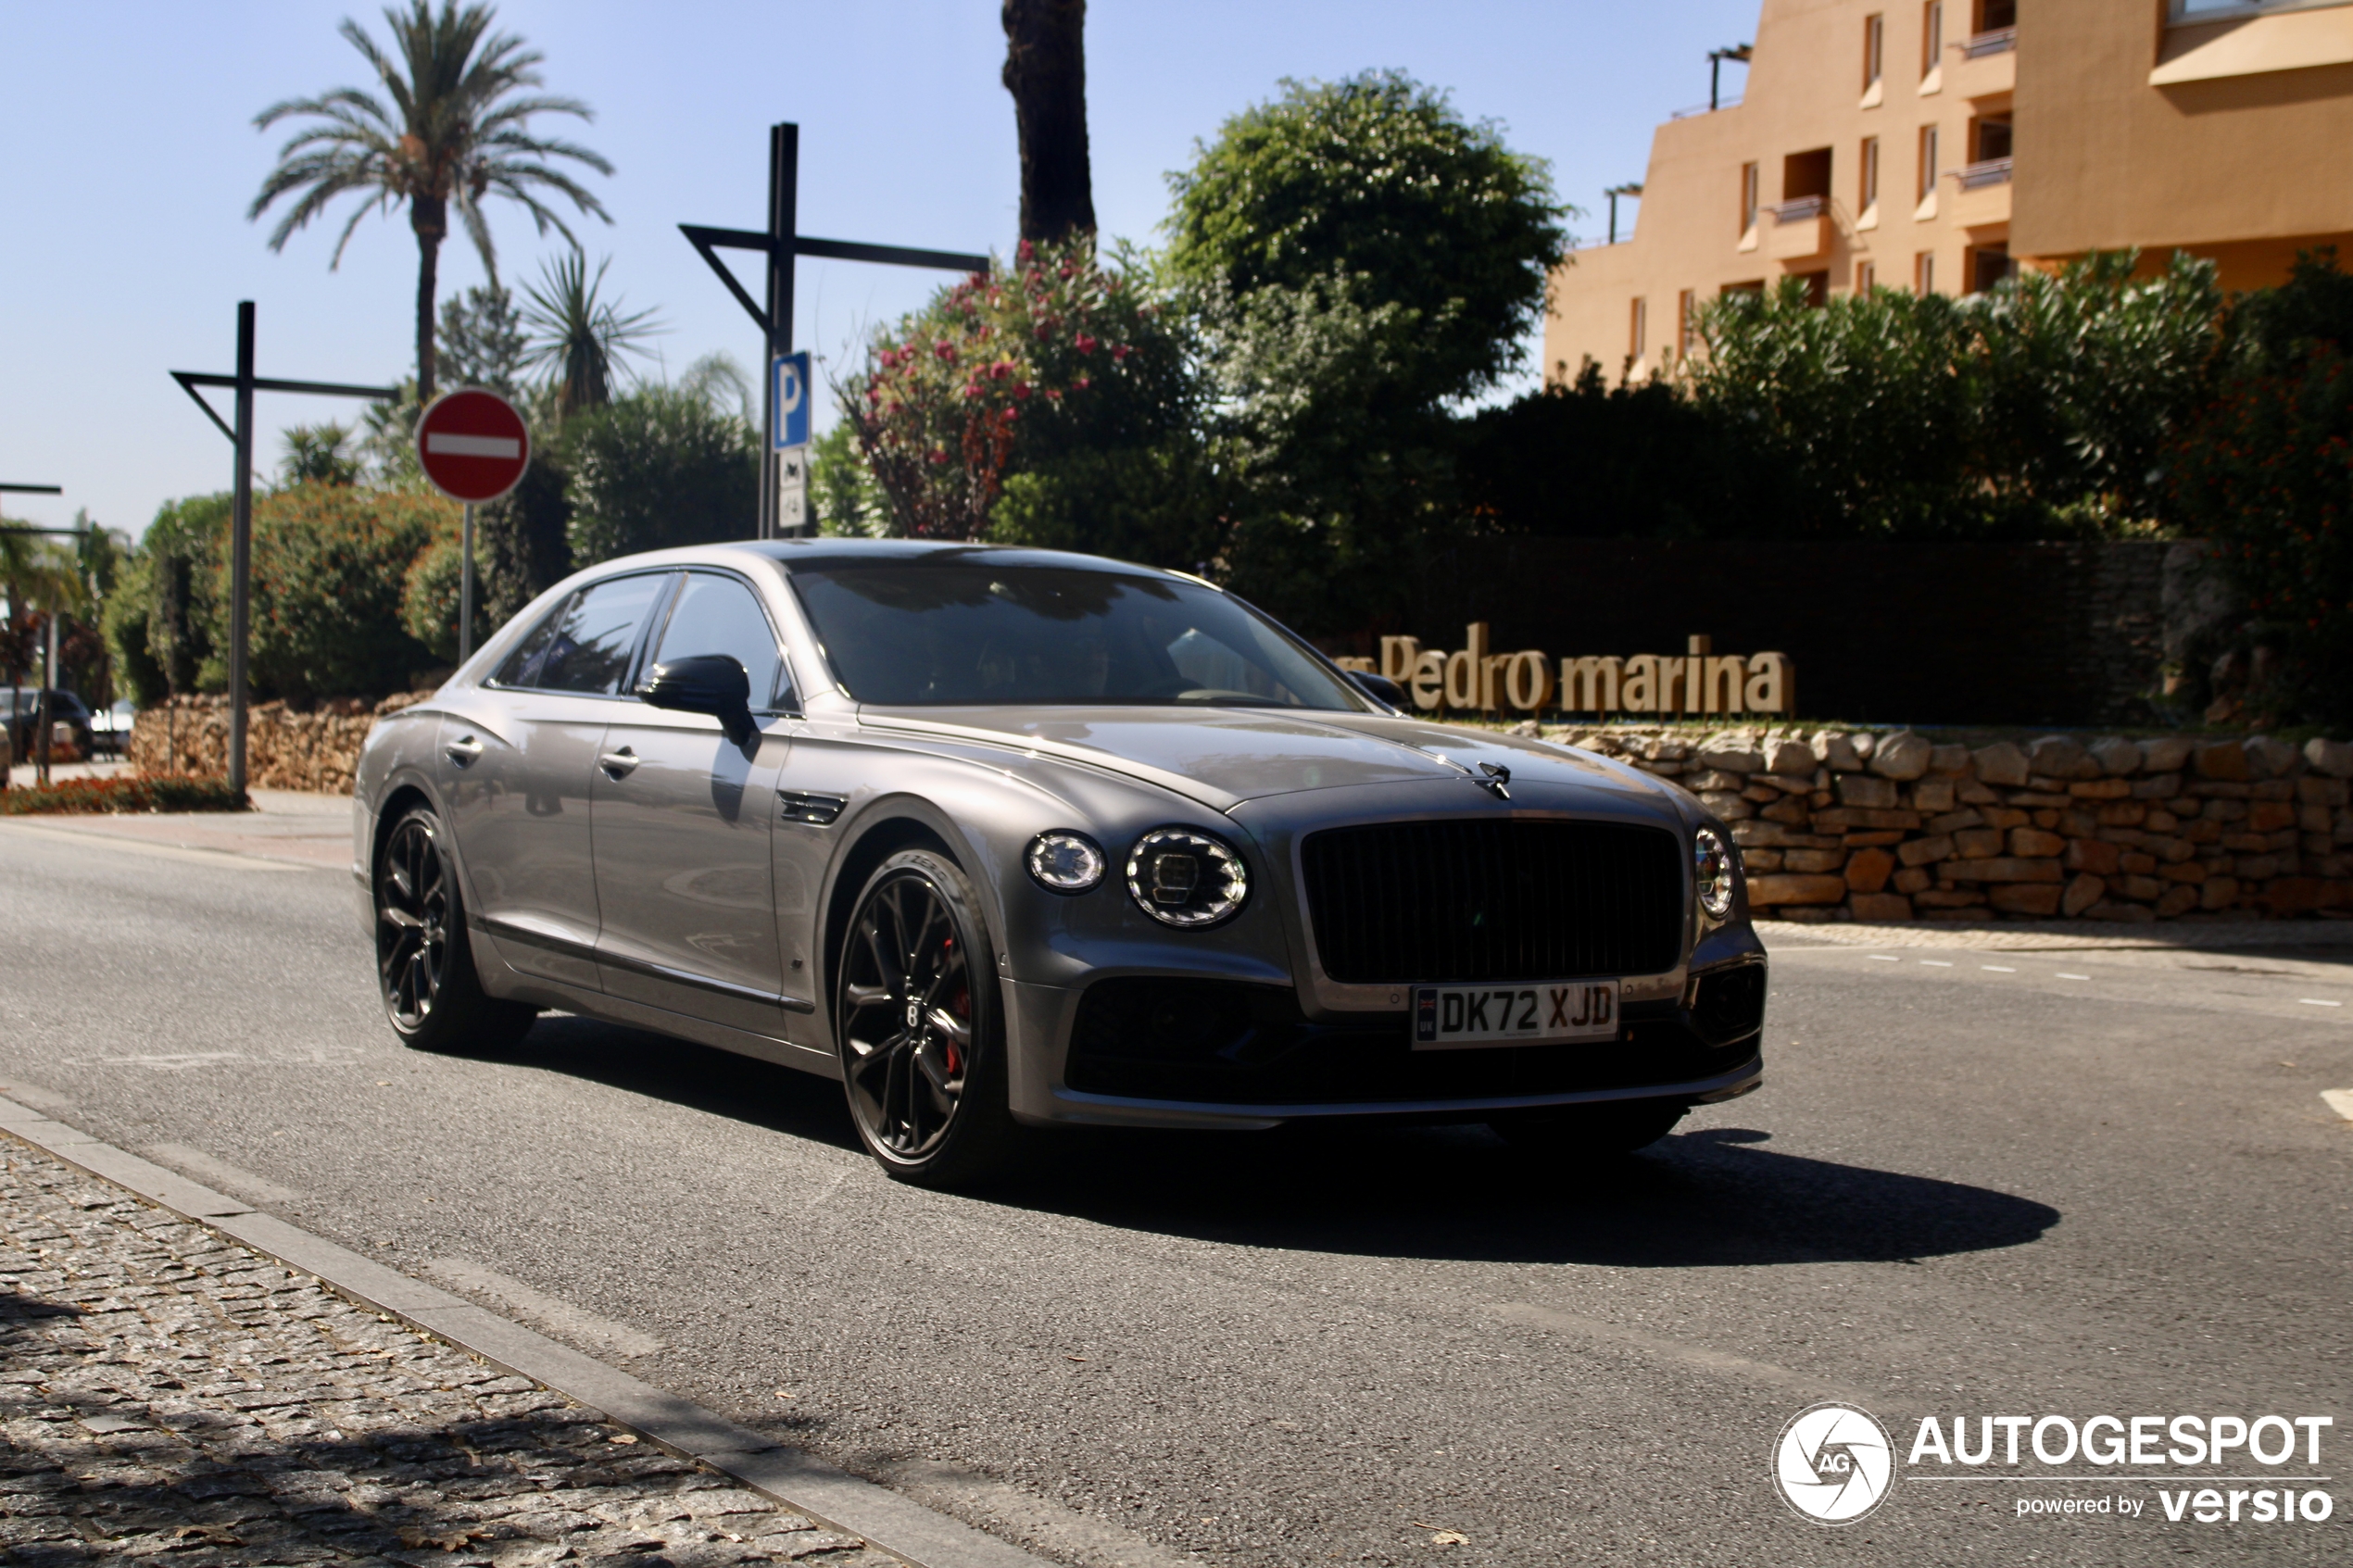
<point x="1082" y="383"/>
<point x="1084" y="344"/>
<point x="1027" y="251"/>
<point x="939" y="455"/>
<point x="971" y="389"/>
<point x="1120" y="351"/>
<point x="1021" y="389"/>
<point x="946" y="352"/>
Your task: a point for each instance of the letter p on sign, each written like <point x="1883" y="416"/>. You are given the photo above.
<point x="789" y="395"/>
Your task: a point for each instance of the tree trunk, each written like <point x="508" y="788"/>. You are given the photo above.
<point x="430" y="218"/>
<point x="1046" y="72"/>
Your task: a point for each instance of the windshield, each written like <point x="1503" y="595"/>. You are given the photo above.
<point x="908" y="634"/>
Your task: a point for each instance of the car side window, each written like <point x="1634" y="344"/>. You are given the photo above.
<point x="719" y="614"/>
<point x="587" y="645"/>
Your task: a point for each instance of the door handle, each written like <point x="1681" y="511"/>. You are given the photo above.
<point x="462" y="750"/>
<point x="618" y="764"/>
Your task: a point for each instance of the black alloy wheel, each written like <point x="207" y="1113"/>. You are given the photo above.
<point x="917" y="1020"/>
<point x="424" y="967"/>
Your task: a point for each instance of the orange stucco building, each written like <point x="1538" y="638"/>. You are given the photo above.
<point x="1936" y="144"/>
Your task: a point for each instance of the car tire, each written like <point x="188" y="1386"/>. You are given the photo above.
<point x="927" y="1083"/>
<point x="1590" y="1134"/>
<point x="425" y="975"/>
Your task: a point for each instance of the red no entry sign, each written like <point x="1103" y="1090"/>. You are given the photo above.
<point x="473" y="445"/>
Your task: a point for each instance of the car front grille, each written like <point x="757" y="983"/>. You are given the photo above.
<point x="1493" y="901"/>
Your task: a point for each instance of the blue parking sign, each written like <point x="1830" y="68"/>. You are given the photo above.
<point x="789" y="395"/>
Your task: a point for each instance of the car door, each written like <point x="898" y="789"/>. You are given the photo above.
<point x="517" y="757"/>
<point x="682" y="815"/>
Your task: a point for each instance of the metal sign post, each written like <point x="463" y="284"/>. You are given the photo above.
<point x="780" y="244"/>
<point x="245" y="385"/>
<point x="474" y="446"/>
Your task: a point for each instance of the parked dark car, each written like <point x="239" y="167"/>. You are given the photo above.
<point x="1005" y="838"/>
<point x="20" y="706"/>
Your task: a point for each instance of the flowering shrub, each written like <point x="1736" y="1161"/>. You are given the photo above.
<point x="167" y="792"/>
<point x="1006" y="370"/>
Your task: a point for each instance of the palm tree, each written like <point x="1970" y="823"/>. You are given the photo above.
<point x="456" y="132"/>
<point x="578" y="336"/>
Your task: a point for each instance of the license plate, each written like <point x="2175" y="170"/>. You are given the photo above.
<point x="1446" y="1017"/>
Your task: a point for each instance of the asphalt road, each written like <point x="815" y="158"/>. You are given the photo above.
<point x="2027" y="1182"/>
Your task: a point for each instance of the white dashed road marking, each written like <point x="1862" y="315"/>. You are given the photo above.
<point x="1997" y="969"/>
<point x="2317" y="1002"/>
<point x="1886" y="958"/>
<point x="2064" y="976"/>
<point x="1936" y="963"/>
<point x="2340" y="1102"/>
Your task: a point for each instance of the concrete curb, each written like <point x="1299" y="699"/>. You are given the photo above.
<point x="799" y="1481"/>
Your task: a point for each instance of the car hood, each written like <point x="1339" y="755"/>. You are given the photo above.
<point x="1225" y="755"/>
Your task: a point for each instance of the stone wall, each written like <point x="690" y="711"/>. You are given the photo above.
<point x="1894" y="826"/>
<point x="314" y="749"/>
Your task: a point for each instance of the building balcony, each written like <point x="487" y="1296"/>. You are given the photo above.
<point x="1984" y="200"/>
<point x="1801" y="228"/>
<point x="1985" y="66"/>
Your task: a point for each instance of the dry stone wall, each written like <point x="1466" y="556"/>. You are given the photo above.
<point x="315" y="749"/>
<point x="1895" y="826"/>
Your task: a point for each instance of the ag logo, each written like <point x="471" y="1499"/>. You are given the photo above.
<point x="1834" y="1463"/>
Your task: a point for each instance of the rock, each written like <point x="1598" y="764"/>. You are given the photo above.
<point x="1728" y="757"/>
<point x="2035" y="842"/>
<point x="2268" y="759"/>
<point x="2002" y="765"/>
<point x="2039" y="901"/>
<point x="2178" y="901"/>
<point x="1815" y="859"/>
<point x="1869" y="870"/>
<point x="2333" y="758"/>
<point x="1865" y="744"/>
<point x="1756" y="862"/>
<point x="1836" y="752"/>
<point x="2128" y="913"/>
<point x="1774" y="891"/>
<point x="1977" y="844"/>
<point x="1949" y="897"/>
<point x="1932" y="795"/>
<point x="1730" y="807"/>
<point x="2056" y="757"/>
<point x="2268" y="816"/>
<point x="2166" y="754"/>
<point x="1861" y="789"/>
<point x="2001" y="867"/>
<point x="1950" y="761"/>
<point x="2219" y="893"/>
<point x="2092" y="856"/>
<point x="1914" y="879"/>
<point x="2224" y="761"/>
<point x="2081" y="894"/>
<point x="1902" y="756"/>
<point x="1791" y="759"/>
<point x="1880" y="907"/>
<point x="2116" y="756"/>
<point x="1925" y="851"/>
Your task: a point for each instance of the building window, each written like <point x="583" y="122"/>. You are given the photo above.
<point x="1927" y="161"/>
<point x="1874" y="49"/>
<point x="1818" y="287"/>
<point x="2178" y="13"/>
<point x="1748" y="198"/>
<point x="1932" y="37"/>
<point x="1924" y="273"/>
<point x="1866" y="276"/>
<point x="1638" y="329"/>
<point x="1684" y="335"/>
<point x="1866" y="195"/>
<point x="1989" y="265"/>
<point x="1995" y="15"/>
<point x="1991" y="134"/>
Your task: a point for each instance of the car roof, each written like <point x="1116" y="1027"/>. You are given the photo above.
<point x="811" y="554"/>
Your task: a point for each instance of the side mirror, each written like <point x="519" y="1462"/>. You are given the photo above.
<point x="1380" y="688"/>
<point x="709" y="683"/>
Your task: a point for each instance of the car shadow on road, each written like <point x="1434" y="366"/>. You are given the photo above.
<point x="1714" y="1197"/>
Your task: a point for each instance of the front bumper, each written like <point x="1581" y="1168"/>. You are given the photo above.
<point x="1249" y="1058"/>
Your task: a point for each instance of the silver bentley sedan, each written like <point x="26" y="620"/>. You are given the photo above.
<point x="1003" y="839"/>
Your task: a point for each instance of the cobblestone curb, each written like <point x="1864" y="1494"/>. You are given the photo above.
<point x="2023" y="936"/>
<point x="164" y="1389"/>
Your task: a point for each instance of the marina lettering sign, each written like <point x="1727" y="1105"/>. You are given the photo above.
<point x="1472" y="680"/>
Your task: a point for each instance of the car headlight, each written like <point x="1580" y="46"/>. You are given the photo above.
<point x="1186" y="879"/>
<point x="1065" y="863"/>
<point x="1712" y="872"/>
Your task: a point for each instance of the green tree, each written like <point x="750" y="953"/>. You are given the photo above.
<point x="456" y="130"/>
<point x="482" y="340"/>
<point x="330" y="564"/>
<point x="576" y="336"/>
<point x="656" y="468"/>
<point x="1377" y="178"/>
<point x="163" y="622"/>
<point x="320" y="453"/>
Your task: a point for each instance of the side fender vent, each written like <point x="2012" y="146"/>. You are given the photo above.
<point x="800" y="806"/>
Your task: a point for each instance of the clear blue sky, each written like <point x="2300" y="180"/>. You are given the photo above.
<point x="132" y="158"/>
